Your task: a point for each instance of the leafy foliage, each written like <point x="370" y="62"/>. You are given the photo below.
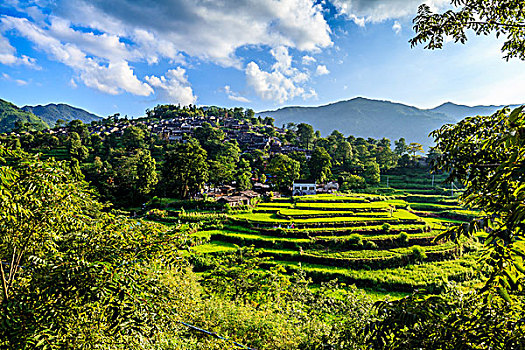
<point x="487" y="156"/>
<point x="502" y="17"/>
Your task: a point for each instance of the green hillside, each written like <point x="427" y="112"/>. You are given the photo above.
<point x="10" y="114"/>
<point x="52" y="112"/>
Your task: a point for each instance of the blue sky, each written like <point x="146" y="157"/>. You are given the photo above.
<point x="128" y="55"/>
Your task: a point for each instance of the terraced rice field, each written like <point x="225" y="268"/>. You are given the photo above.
<point x="375" y="242"/>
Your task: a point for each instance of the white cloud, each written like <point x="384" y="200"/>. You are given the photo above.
<point x="362" y="11"/>
<point x="8" y="55"/>
<point x="100" y="40"/>
<point x="308" y="60"/>
<point x="18" y="82"/>
<point x="112" y="77"/>
<point x="282" y="83"/>
<point x="173" y="86"/>
<point x="234" y="96"/>
<point x="397" y="27"/>
<point x="210" y="30"/>
<point x="321" y="70"/>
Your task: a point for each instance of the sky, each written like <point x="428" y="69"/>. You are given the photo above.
<point x="125" y="56"/>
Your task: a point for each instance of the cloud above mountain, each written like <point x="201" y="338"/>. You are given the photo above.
<point x="104" y="43"/>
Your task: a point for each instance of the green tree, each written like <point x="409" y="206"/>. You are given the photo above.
<point x="136" y="176"/>
<point x="133" y="137"/>
<point x="284" y="171"/>
<point x="504" y="18"/>
<point x="305" y="135"/>
<point x="320" y="165"/>
<point x="185" y="169"/>
<point x="71" y="273"/>
<point x="415" y="148"/>
<point x="78" y="127"/>
<point x="76" y="149"/>
<point x="400" y="147"/>
<point x="244" y="175"/>
<point x="372" y="173"/>
<point x="487" y="156"/>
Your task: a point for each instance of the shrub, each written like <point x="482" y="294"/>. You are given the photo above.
<point x="355" y="239"/>
<point x="370" y="245"/>
<point x="386" y="226"/>
<point x="418" y="254"/>
<point x="157" y="214"/>
<point x="402" y="238"/>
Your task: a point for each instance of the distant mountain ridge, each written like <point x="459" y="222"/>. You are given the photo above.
<point x="52" y="112"/>
<point x="363" y="117"/>
<point x="461" y="111"/>
<point x="11" y="114"/>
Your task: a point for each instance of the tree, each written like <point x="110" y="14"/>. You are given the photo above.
<point x="76" y="149"/>
<point x="415" y="148"/>
<point x="71" y="273"/>
<point x="268" y="121"/>
<point x="185" y="169"/>
<point x="384" y="155"/>
<point x="133" y="137"/>
<point x="372" y="173"/>
<point x="305" y="134"/>
<point x="284" y="171"/>
<point x="487" y="156"/>
<point x="400" y="147"/>
<point x="320" y="165"/>
<point x="78" y="127"/>
<point x="136" y="176"/>
<point x="502" y="17"/>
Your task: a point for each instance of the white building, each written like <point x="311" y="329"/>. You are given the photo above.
<point x="301" y="188"/>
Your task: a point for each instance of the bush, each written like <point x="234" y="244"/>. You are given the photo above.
<point x="355" y="239"/>
<point x="370" y="245"/>
<point x="157" y="214"/>
<point x="386" y="226"/>
<point x="418" y="254"/>
<point x="402" y="238"/>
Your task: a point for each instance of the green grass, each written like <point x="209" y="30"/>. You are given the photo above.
<point x="272" y="218"/>
<point x="402" y="278"/>
<point x="362" y="206"/>
<point x="214" y="247"/>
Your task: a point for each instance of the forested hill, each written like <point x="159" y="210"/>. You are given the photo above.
<point x="11" y="114"/>
<point x="377" y="119"/>
<point x="459" y="112"/>
<point x="52" y="112"/>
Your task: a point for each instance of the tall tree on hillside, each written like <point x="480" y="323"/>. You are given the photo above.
<point x="414" y="148"/>
<point x="306" y="136"/>
<point x="243" y="175"/>
<point x="136" y="176"/>
<point x="185" y="169"/>
<point x="384" y="155"/>
<point x="75" y="147"/>
<point x="133" y="137"/>
<point x="400" y="147"/>
<point x="320" y="165"/>
<point x="372" y="173"/>
<point x="284" y="171"/>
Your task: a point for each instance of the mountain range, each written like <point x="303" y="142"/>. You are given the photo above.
<point x="364" y="117"/>
<point x="10" y="114"/>
<point x="361" y="117"/>
<point x="40" y="117"/>
<point x="50" y="113"/>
